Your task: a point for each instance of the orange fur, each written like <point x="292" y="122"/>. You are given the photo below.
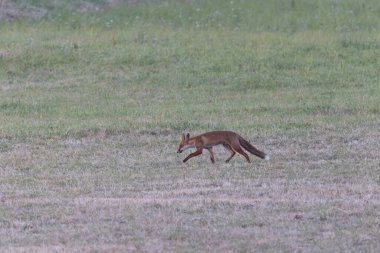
<point x="230" y="140"/>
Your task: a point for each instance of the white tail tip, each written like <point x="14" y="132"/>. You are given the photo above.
<point x="266" y="157"/>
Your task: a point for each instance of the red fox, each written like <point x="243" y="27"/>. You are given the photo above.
<point x="230" y="140"/>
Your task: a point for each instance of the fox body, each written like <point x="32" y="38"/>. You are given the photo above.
<point x="230" y="140"/>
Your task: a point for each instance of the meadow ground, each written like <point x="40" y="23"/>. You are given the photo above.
<point x="93" y="100"/>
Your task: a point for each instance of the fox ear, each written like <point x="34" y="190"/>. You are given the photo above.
<point x="183" y="136"/>
<point x="187" y="136"/>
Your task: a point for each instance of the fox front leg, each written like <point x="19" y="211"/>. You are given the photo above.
<point x="196" y="153"/>
<point x="211" y="155"/>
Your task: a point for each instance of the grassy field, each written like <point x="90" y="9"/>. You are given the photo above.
<point x="94" y="96"/>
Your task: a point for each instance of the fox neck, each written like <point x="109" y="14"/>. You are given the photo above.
<point x="190" y="143"/>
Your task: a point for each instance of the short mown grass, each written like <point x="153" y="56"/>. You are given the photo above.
<point x="95" y="94"/>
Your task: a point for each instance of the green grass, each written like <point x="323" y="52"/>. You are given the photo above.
<point x="117" y="76"/>
<point x="93" y="99"/>
<point x="113" y="79"/>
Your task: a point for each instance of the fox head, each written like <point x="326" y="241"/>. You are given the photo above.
<point x="184" y="144"/>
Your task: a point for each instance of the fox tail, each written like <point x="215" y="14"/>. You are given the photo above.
<point x="246" y="145"/>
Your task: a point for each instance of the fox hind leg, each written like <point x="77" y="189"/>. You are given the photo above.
<point x="240" y="151"/>
<point x="231" y="151"/>
<point x="237" y="148"/>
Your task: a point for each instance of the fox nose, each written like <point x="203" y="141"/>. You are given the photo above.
<point x="179" y="151"/>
